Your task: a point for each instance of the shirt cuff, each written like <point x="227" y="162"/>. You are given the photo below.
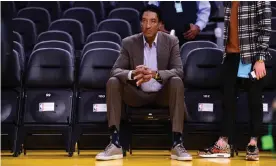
<point x="129" y="75"/>
<point x="201" y="25"/>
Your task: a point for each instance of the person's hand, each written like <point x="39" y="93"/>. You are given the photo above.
<point x="145" y="75"/>
<point x="162" y="28"/>
<point x="260" y="70"/>
<point x="192" y="33"/>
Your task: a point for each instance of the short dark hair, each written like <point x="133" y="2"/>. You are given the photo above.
<point x="152" y="8"/>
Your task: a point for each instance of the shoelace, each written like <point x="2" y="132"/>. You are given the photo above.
<point x="181" y="148"/>
<point x="109" y="146"/>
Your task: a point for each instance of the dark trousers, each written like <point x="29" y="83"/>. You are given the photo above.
<point x="230" y="86"/>
<point x="172" y="95"/>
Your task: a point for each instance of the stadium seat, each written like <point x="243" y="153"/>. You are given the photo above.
<point x="202" y="82"/>
<point x="20" y="4"/>
<point x="128" y="14"/>
<point x="20" y="50"/>
<point x="119" y="26"/>
<point x="92" y="78"/>
<point x="49" y="95"/>
<point x="273" y="10"/>
<point x="64" y="5"/>
<point x="104" y="36"/>
<point x="96" y="6"/>
<point x="73" y="27"/>
<point x="272" y="41"/>
<point x="11" y="97"/>
<point x="18" y="38"/>
<point x="273" y="23"/>
<point x="27" y="29"/>
<point x="52" y="6"/>
<point x="38" y="15"/>
<point x="55" y="44"/>
<point x="138" y="5"/>
<point x="56" y="35"/>
<point x="84" y="15"/>
<point x="100" y="44"/>
<point x="189" y="46"/>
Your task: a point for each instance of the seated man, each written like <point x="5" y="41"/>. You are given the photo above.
<point x="148" y="71"/>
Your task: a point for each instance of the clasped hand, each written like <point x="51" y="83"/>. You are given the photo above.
<point x="142" y="74"/>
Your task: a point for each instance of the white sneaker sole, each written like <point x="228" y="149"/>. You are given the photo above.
<point x="114" y="157"/>
<point x="174" y="157"/>
<point x="216" y="155"/>
<point x="251" y="159"/>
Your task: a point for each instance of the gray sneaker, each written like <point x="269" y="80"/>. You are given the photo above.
<point x="180" y="153"/>
<point x="111" y="152"/>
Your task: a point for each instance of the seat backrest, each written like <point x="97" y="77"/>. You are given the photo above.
<point x="11" y="74"/>
<point x="100" y="44"/>
<point x="202" y="69"/>
<point x="96" y="6"/>
<point x="20" y="50"/>
<point x="18" y="38"/>
<point x="273" y="23"/>
<point x="104" y="36"/>
<point x="50" y="68"/>
<point x="189" y="46"/>
<point x="273" y="10"/>
<point x="38" y="15"/>
<point x="128" y="14"/>
<point x="122" y="27"/>
<point x="55" y="44"/>
<point x="73" y="27"/>
<point x="56" y="35"/>
<point x="27" y="30"/>
<point x="270" y="78"/>
<point x="52" y="6"/>
<point x="138" y="5"/>
<point x="272" y="40"/>
<point x="85" y="15"/>
<point x="95" y="68"/>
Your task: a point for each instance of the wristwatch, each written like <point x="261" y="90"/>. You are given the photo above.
<point x="157" y="76"/>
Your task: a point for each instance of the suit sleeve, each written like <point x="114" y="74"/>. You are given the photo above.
<point x="175" y="64"/>
<point x="121" y="67"/>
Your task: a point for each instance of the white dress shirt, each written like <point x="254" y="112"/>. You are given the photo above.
<point x="150" y="60"/>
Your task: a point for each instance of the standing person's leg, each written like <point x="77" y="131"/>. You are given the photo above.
<point x="229" y="89"/>
<point x="172" y="95"/>
<point x="255" y="106"/>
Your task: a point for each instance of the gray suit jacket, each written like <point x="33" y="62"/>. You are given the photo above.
<point x="132" y="54"/>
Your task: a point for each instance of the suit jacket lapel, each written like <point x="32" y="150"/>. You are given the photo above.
<point x="139" y="53"/>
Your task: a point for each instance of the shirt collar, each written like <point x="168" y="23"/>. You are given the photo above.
<point x="154" y="42"/>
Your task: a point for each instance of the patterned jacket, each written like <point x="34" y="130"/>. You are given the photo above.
<point x="254" y="27"/>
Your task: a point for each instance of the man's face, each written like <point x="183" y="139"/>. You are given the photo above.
<point x="150" y="24"/>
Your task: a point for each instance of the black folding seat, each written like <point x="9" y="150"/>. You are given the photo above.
<point x="20" y="4"/>
<point x="92" y="78"/>
<point x="64" y="5"/>
<point x="273" y="23"/>
<point x="119" y="26"/>
<point x="38" y="15"/>
<point x="20" y="50"/>
<point x="189" y="46"/>
<point x="100" y="44"/>
<point x="202" y="82"/>
<point x="49" y="95"/>
<point x="55" y="44"/>
<point x="138" y="5"/>
<point x="73" y="27"/>
<point x="104" y="36"/>
<point x="128" y="14"/>
<point x="11" y="99"/>
<point x="18" y="38"/>
<point x="84" y="15"/>
<point x="52" y="6"/>
<point x="96" y="6"/>
<point x="272" y="41"/>
<point x="27" y="29"/>
<point x="56" y="35"/>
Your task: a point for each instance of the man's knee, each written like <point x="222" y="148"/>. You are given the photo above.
<point x="176" y="82"/>
<point x="113" y="82"/>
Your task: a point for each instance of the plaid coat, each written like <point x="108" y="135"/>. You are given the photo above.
<point x="254" y="27"/>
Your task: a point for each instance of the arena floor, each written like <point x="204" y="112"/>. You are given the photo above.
<point x="139" y="158"/>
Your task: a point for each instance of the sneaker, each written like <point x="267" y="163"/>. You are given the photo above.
<point x="216" y="151"/>
<point x="252" y="153"/>
<point x="180" y="153"/>
<point x="111" y="152"/>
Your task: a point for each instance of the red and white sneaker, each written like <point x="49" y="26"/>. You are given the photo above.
<point x="216" y="152"/>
